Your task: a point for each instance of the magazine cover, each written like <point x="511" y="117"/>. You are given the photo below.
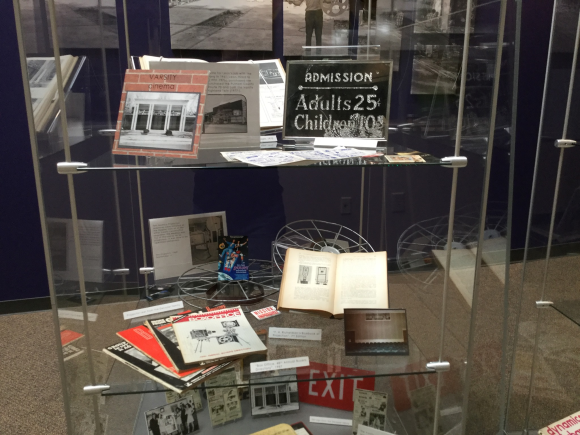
<point x="161" y="113"/>
<point x="67" y="336"/>
<point x="233" y="259"/>
<point x="215" y="335"/>
<point x="164" y="334"/>
<point x="137" y="360"/>
<point x="175" y="418"/>
<point x="144" y="340"/>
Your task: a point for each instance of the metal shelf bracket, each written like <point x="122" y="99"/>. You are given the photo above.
<point x="146" y="270"/>
<point x="65" y="168"/>
<point x="438" y="366"/>
<point x="565" y="143"/>
<point x="95" y="389"/>
<point x="544" y="304"/>
<point x="454" y="162"/>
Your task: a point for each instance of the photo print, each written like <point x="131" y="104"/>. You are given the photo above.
<point x="375" y="332"/>
<point x="205" y="233"/>
<point x="159" y="120"/>
<point x="436" y="69"/>
<point x="321" y="275"/>
<point x="225" y="25"/>
<point x="72" y="16"/>
<point x="274" y="395"/>
<point x="175" y="418"/>
<point x="304" y="274"/>
<point x="442" y="16"/>
<point x="322" y="27"/>
<point x="225" y="114"/>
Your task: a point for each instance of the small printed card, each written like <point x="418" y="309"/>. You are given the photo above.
<point x="233" y="259"/>
<point x="265" y="313"/>
<point x="405" y="159"/>
<point x="296" y="333"/>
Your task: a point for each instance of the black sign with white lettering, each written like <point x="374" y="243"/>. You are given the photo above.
<point x="348" y="99"/>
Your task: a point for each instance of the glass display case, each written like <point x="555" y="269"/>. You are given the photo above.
<point x="444" y="219"/>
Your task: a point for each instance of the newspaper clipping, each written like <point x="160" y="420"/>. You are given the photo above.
<point x="370" y="409"/>
<point x="224" y="401"/>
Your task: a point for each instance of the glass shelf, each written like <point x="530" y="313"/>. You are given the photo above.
<point x="213" y="159"/>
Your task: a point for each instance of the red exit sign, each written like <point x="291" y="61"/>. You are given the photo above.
<point x="334" y="391"/>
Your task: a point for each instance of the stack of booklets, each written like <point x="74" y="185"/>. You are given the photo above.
<point x="184" y="350"/>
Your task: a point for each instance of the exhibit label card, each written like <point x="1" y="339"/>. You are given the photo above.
<point x="279" y="364"/>
<point x="152" y="310"/>
<point x="296" y="333"/>
<point x="342" y="99"/>
<point x="328" y="420"/>
<point x="365" y="430"/>
<point x="567" y="425"/>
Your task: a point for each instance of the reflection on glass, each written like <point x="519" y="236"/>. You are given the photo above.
<point x="159" y="116"/>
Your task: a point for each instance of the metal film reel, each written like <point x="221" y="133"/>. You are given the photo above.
<point x="318" y="236"/>
<point x="200" y="285"/>
<point x="335" y="7"/>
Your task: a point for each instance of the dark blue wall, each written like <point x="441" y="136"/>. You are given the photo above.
<point x="22" y="266"/>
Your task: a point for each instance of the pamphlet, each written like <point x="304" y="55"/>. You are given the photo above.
<point x="224" y="402"/>
<point x="233" y="259"/>
<point x="279" y="429"/>
<point x="405" y="159"/>
<point x="67" y="336"/>
<point x="161" y="113"/>
<point x="370" y="409"/>
<point x="325" y="283"/>
<point x="215" y="335"/>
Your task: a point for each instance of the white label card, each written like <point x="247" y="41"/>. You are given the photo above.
<point x="365" y="430"/>
<point x="295" y="333"/>
<point x="279" y="364"/>
<point x="76" y="315"/>
<point x="334" y="421"/>
<point x="152" y="310"/>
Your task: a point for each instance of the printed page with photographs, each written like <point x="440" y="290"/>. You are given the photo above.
<point x="224" y="403"/>
<point x="179" y="243"/>
<point x="194" y="395"/>
<point x="325" y="283"/>
<point x="232" y="105"/>
<point x="370" y="409"/>
<point x="215" y="335"/>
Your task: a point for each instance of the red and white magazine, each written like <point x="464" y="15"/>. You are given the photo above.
<point x="67" y="336"/>
<point x="216" y="335"/>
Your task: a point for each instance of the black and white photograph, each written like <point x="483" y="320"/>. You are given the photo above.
<point x="321" y="275"/>
<point x="304" y="273"/>
<point x="225" y="114"/>
<point x="204" y="233"/>
<point x="221" y="24"/>
<point x="277" y="395"/>
<point x="375" y="332"/>
<point x="159" y="120"/>
<point x="442" y="16"/>
<point x="78" y="24"/>
<point x="178" y="418"/>
<point x="327" y="26"/>
<point x="436" y="69"/>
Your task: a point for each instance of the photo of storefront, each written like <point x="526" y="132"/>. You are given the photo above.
<point x="225" y="114"/>
<point x="275" y="398"/>
<point x="161" y="120"/>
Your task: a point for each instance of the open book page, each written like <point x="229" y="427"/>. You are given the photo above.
<point x="308" y="281"/>
<point x="361" y="281"/>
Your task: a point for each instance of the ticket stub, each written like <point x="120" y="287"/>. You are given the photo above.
<point x="265" y="313"/>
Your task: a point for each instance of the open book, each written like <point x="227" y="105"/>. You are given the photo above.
<point x="327" y="283"/>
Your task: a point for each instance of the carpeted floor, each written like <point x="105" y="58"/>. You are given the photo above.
<point x="30" y="389"/>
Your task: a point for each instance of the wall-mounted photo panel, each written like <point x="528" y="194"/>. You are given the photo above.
<point x="305" y="26"/>
<point x="178" y="243"/>
<point x="243" y="25"/>
<point x="375" y="332"/>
